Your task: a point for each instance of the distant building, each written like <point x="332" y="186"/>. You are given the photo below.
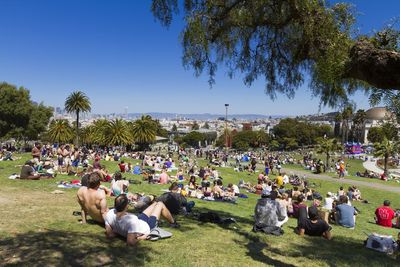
<point x="247" y="126"/>
<point x="374" y="117"/>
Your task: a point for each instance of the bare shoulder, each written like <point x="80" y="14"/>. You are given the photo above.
<point x="82" y="190"/>
<point x="100" y="194"/>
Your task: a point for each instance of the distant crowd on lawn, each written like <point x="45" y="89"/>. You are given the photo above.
<point x="281" y="197"/>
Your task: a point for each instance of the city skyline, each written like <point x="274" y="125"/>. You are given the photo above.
<point x="121" y="57"/>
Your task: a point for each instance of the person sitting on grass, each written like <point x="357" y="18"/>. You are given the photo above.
<point x="164" y="177"/>
<point x="272" y="212"/>
<point x="92" y="199"/>
<point x="384" y="214"/>
<point x="341" y="192"/>
<point x="314" y="226"/>
<point x="295" y="193"/>
<point x="173" y="200"/>
<point x="122" y="166"/>
<point x="135" y="228"/>
<point x="218" y="191"/>
<point x="118" y="185"/>
<point x="28" y="172"/>
<point x="345" y="214"/>
<point x="136" y="169"/>
<point x="300" y="208"/>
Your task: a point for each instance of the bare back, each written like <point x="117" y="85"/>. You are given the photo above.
<point x="93" y="203"/>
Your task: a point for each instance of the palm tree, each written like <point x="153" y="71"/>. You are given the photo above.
<point x="77" y="102"/>
<point x="98" y="134"/>
<point x="60" y="131"/>
<point x="144" y="131"/>
<point x="358" y="124"/>
<point x="327" y="146"/>
<point x="117" y="133"/>
<point x="346" y="115"/>
<point x="386" y="149"/>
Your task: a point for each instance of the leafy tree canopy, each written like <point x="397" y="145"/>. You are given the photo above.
<point x="283" y="41"/>
<point x="19" y="116"/>
<point x="303" y="133"/>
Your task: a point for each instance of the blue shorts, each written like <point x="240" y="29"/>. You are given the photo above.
<point x="151" y="221"/>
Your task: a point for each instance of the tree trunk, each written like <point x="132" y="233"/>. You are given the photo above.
<point x="378" y="67"/>
<point x="327" y="161"/>
<point x="77" y="130"/>
<point x="385" y="171"/>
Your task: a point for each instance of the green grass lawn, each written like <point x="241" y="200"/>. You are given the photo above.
<point x="355" y="165"/>
<point x="37" y="228"/>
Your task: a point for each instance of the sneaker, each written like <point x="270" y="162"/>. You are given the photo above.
<point x="174" y="225"/>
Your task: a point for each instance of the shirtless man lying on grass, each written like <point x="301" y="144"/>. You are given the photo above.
<point x="92" y="200"/>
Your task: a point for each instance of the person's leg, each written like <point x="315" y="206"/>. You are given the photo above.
<point x="158" y="209"/>
<point x="148" y="211"/>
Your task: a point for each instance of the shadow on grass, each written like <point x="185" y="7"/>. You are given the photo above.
<point x="255" y="244"/>
<point x="337" y="252"/>
<point x="60" y="248"/>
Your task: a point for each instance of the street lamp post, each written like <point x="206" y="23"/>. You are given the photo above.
<point x="226" y="126"/>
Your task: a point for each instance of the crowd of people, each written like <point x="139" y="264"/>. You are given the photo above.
<point x="281" y="197"/>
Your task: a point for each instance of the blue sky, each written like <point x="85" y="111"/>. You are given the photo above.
<point x="121" y="57"/>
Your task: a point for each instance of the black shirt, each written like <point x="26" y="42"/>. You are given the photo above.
<point x="26" y="171"/>
<point x="314" y="229"/>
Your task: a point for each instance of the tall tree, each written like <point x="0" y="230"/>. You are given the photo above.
<point x="195" y="126"/>
<point x="358" y="125"/>
<point x="117" y="132"/>
<point x="60" y="131"/>
<point x="77" y="102"/>
<point x="97" y="133"/>
<point x="386" y="149"/>
<point x="327" y="147"/>
<point x="144" y="131"/>
<point x="346" y="116"/>
<point x="194" y="139"/>
<point x="15" y="110"/>
<point x="262" y="138"/>
<point x="38" y="121"/>
<point x="206" y="125"/>
<point x="281" y="41"/>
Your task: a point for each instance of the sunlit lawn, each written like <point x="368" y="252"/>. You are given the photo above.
<point x="37" y="228"/>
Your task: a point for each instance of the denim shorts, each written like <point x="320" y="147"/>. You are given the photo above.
<point x="151" y="221"/>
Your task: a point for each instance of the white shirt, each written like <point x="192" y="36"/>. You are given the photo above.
<point x="236" y="189"/>
<point x="328" y="203"/>
<point x="127" y="224"/>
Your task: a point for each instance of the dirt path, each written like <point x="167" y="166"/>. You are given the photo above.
<point x="324" y="177"/>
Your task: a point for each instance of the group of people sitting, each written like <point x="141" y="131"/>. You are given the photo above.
<point x="118" y="221"/>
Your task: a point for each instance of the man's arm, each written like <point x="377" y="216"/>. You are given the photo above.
<point x="109" y="232"/>
<point x="327" y="235"/>
<point x="83" y="212"/>
<point x="300" y="231"/>
<point x="103" y="206"/>
<point x="132" y="239"/>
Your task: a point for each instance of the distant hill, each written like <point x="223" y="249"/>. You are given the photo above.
<point x="321" y="117"/>
<point x="204" y="116"/>
<point x="209" y="116"/>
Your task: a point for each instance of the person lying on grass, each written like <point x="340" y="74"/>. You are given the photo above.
<point x="314" y="226"/>
<point x="92" y="199"/>
<point x="135" y="228"/>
